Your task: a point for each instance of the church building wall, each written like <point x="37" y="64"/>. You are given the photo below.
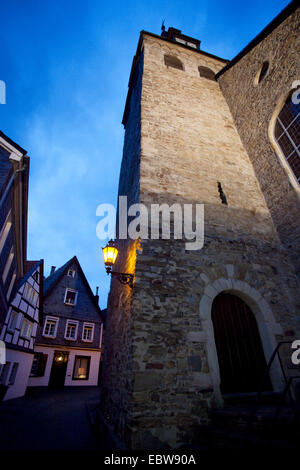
<point x="162" y="330"/>
<point x="253" y="106"/>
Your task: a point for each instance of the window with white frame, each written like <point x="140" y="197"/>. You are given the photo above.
<point x="70" y="297"/>
<point x="30" y="294"/>
<point x="12" y="321"/>
<point x="71" y="272"/>
<point x="81" y="368"/>
<point x="287" y="134"/>
<point x="88" y="332"/>
<point x="26" y="329"/>
<point x="71" y="330"/>
<point x="50" y="327"/>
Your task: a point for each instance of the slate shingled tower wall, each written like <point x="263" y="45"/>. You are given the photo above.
<point x="161" y="373"/>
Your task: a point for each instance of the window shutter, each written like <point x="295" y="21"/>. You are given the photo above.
<point x="42" y="365"/>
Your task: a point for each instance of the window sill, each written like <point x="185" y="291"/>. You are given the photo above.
<point x="70" y="339"/>
<point x="87" y="340"/>
<point x="49" y="336"/>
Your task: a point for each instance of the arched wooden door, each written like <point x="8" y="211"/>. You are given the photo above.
<point x="241" y="357"/>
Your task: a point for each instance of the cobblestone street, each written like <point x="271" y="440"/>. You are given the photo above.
<point x="48" y="420"/>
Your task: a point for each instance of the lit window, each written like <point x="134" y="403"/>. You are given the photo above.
<point x="70" y="297"/>
<point x="88" y="332"/>
<point x="30" y="294"/>
<point x="71" y="272"/>
<point x="171" y="61"/>
<point x="71" y="330"/>
<point x="206" y="72"/>
<point x="26" y="329"/>
<point x="81" y="368"/>
<point x="12" y="321"/>
<point x="287" y="135"/>
<point x="50" y="327"/>
<point x="13" y="373"/>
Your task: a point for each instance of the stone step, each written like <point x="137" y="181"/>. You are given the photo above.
<point x="249" y="398"/>
<point x="237" y="418"/>
<point x="213" y="437"/>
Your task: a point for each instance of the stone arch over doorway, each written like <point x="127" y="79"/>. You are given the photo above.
<point x="266" y="322"/>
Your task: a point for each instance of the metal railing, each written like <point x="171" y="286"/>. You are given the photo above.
<point x="283" y="395"/>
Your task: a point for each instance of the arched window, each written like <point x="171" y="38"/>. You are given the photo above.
<point x="205" y="72"/>
<point x="287" y="133"/>
<point x="171" y="61"/>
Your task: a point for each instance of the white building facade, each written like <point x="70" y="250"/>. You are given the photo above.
<point x="19" y="332"/>
<point x="68" y="346"/>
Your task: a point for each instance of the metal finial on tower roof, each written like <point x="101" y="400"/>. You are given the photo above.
<point x="163" y="29"/>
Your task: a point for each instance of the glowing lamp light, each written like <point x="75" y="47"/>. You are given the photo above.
<point x="110" y="253"/>
<point x="59" y="358"/>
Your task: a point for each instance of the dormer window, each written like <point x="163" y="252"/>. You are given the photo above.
<point x="207" y="73"/>
<point x="71" y="272"/>
<point x="172" y="61"/>
<point x="70" y="297"/>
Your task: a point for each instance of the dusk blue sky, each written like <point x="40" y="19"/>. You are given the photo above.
<point x="66" y="66"/>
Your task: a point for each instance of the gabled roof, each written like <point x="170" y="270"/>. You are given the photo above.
<point x="30" y="267"/>
<point x="51" y="281"/>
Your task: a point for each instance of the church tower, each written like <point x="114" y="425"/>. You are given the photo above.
<point x="198" y="324"/>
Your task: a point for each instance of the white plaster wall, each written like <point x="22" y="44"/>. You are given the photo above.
<point x="25" y="362"/>
<point x="42" y="381"/>
<point x="94" y="368"/>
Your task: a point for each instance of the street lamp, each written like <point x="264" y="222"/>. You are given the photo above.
<point x="110" y="253"/>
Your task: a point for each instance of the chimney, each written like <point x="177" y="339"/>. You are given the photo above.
<point x="97" y="296"/>
<point x="52" y="270"/>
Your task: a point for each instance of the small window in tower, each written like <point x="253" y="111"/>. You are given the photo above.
<point x="222" y="194"/>
<point x="171" y="61"/>
<point x="205" y="72"/>
<point x="262" y="72"/>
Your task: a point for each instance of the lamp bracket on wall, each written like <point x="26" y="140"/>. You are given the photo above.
<point x="124" y="278"/>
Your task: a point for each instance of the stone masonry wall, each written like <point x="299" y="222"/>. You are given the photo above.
<point x="188" y="143"/>
<point x="118" y="353"/>
<point x="252" y="107"/>
<point x="160" y="368"/>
